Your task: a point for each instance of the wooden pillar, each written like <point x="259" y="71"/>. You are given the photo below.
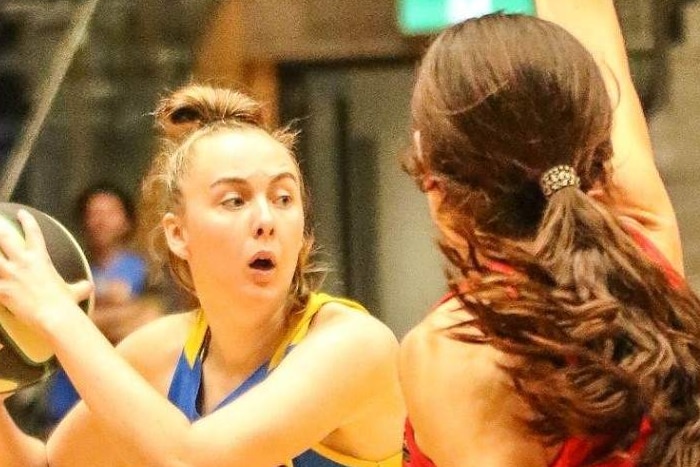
<point x="221" y="59"/>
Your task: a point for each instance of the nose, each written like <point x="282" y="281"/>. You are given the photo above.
<point x="264" y="224"/>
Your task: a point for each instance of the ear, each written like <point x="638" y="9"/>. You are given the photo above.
<point x="175" y="235"/>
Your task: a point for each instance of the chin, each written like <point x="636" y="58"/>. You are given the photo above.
<point x="267" y="289"/>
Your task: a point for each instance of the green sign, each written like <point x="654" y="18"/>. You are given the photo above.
<point x="428" y="16"/>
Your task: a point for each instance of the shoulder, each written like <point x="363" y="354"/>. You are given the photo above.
<point x="353" y="349"/>
<point x="355" y="360"/>
<point x="340" y="321"/>
<point x="456" y="387"/>
<point x="428" y="352"/>
<point x="354" y="339"/>
<point x="154" y="348"/>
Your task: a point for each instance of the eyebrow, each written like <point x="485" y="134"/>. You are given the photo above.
<point x="241" y="180"/>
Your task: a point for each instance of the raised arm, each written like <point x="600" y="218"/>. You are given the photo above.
<point x="637" y="193"/>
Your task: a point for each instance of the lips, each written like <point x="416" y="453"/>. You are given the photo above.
<point x="263" y="261"/>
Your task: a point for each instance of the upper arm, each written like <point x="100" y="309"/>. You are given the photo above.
<point x="336" y="375"/>
<point x="637" y="191"/>
<point x="80" y="439"/>
<point x="461" y="404"/>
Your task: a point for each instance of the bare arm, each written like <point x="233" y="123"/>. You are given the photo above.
<point x="281" y="417"/>
<point x="18" y="449"/>
<point x="461" y="404"/>
<point x="278" y="419"/>
<point x="81" y="440"/>
<point x="637" y="192"/>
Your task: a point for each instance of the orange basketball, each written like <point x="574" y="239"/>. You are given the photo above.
<point x="25" y="358"/>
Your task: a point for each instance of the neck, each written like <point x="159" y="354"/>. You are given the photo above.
<point x="243" y="338"/>
<point x="102" y="255"/>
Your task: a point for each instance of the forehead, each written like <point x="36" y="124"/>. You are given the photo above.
<point x="103" y="200"/>
<point x="242" y="153"/>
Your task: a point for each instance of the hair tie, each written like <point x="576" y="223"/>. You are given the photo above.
<point x="558" y="177"/>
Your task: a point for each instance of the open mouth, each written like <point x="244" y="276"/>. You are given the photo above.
<point x="262" y="262"/>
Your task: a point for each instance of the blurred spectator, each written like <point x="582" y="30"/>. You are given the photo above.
<point x="107" y="219"/>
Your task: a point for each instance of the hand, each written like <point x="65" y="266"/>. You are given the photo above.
<point x="30" y="286"/>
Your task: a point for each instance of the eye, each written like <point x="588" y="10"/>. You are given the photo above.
<point x="233" y="201"/>
<point x="284" y="200"/>
<point x="282" y="195"/>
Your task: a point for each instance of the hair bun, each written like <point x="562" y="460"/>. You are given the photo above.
<point x="196" y="106"/>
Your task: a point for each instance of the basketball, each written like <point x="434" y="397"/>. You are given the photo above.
<point x="25" y="358"/>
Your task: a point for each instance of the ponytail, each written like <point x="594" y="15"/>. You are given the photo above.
<point x="600" y="339"/>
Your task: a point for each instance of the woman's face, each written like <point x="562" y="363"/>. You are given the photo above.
<point x="105" y="221"/>
<point x="242" y="224"/>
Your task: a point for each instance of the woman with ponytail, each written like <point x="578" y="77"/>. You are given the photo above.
<point x="570" y="337"/>
<point x="266" y="371"/>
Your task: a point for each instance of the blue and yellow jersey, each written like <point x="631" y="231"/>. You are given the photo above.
<point x="188" y="378"/>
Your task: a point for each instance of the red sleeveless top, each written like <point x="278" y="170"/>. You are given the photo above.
<point x="575" y="450"/>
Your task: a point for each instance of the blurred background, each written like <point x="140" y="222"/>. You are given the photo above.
<point x="342" y="72"/>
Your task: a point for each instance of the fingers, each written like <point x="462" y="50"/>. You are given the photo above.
<point x="14" y="245"/>
<point x="11" y="240"/>
<point x="81" y="290"/>
<point x="33" y="236"/>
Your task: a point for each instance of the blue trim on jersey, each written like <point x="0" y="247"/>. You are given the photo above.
<point x="311" y="458"/>
<point x="184" y="392"/>
<point x="187" y="382"/>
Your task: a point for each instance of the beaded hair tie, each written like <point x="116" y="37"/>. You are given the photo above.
<point x="558" y="177"/>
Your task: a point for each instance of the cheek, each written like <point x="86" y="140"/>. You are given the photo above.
<point x="120" y="226"/>
<point x="212" y="235"/>
<point x="197" y="235"/>
<point x="300" y="231"/>
<point x="294" y="233"/>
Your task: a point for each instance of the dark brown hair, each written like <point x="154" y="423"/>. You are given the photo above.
<point x="107" y="188"/>
<point x="597" y="336"/>
<point x="183" y="117"/>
